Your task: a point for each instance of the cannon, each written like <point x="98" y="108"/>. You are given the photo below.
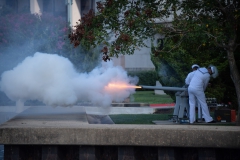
<point x="165" y="88"/>
<point x="181" y="108"/>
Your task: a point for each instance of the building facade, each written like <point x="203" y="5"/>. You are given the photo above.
<point x="72" y="11"/>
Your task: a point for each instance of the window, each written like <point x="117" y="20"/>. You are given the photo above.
<point x="56" y="7"/>
<point x="86" y="5"/>
<point x="18" y="6"/>
<point x="160" y="43"/>
<point x="13" y="4"/>
<point x="48" y="6"/>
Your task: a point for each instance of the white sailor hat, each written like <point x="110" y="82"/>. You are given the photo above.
<point x="195" y="65"/>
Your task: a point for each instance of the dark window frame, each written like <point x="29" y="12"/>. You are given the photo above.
<point x="52" y="8"/>
<point x="92" y="4"/>
<point x="13" y="4"/>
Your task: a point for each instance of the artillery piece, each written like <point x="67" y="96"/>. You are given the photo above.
<point x="181" y="105"/>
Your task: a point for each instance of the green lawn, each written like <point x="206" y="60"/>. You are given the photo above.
<point x="144" y="97"/>
<point x="150" y="97"/>
<point x="137" y="118"/>
<point x="148" y="118"/>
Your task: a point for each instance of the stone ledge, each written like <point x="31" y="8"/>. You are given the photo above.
<point x="119" y="110"/>
<point x="127" y="135"/>
<point x="130" y="104"/>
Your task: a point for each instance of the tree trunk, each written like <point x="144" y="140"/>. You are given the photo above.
<point x="235" y="76"/>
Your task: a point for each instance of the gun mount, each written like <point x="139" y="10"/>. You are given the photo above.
<point x="181" y="108"/>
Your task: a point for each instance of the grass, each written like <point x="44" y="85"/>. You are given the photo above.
<point x="148" y="118"/>
<point x="137" y="118"/>
<point x="144" y="97"/>
<point x="150" y="97"/>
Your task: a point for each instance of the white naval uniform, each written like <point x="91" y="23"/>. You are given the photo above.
<point x="196" y="89"/>
<point x="189" y="77"/>
<point x="187" y="82"/>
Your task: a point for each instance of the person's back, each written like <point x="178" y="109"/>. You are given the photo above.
<point x="190" y="75"/>
<point x="196" y="89"/>
<point x="200" y="79"/>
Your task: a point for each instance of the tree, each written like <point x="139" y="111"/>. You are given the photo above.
<point x="214" y="24"/>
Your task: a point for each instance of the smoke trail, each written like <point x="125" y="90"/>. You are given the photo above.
<point x="53" y="80"/>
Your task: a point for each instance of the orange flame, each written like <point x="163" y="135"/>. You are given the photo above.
<point x="121" y="86"/>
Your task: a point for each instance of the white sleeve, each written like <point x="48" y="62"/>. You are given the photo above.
<point x="189" y="78"/>
<point x="205" y="83"/>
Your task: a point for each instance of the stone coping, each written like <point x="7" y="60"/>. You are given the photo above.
<point x="111" y="134"/>
<point x="130" y="104"/>
<point x="44" y="125"/>
<point x="119" y="110"/>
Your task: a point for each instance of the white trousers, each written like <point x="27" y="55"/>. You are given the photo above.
<point x="199" y="110"/>
<point x="201" y="99"/>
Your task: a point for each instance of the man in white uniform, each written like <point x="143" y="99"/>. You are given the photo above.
<point x="190" y="75"/>
<point x="187" y="82"/>
<point x="196" y="89"/>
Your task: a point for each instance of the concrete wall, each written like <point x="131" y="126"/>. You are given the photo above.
<point x="75" y="12"/>
<point x="36" y="6"/>
<point x="139" y="61"/>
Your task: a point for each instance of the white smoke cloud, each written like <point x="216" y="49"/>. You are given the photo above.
<point x="53" y="80"/>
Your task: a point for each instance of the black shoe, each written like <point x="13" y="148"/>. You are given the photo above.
<point x="199" y="120"/>
<point x="212" y="121"/>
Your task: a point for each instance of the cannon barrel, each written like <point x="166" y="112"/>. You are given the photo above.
<point x="164" y="88"/>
